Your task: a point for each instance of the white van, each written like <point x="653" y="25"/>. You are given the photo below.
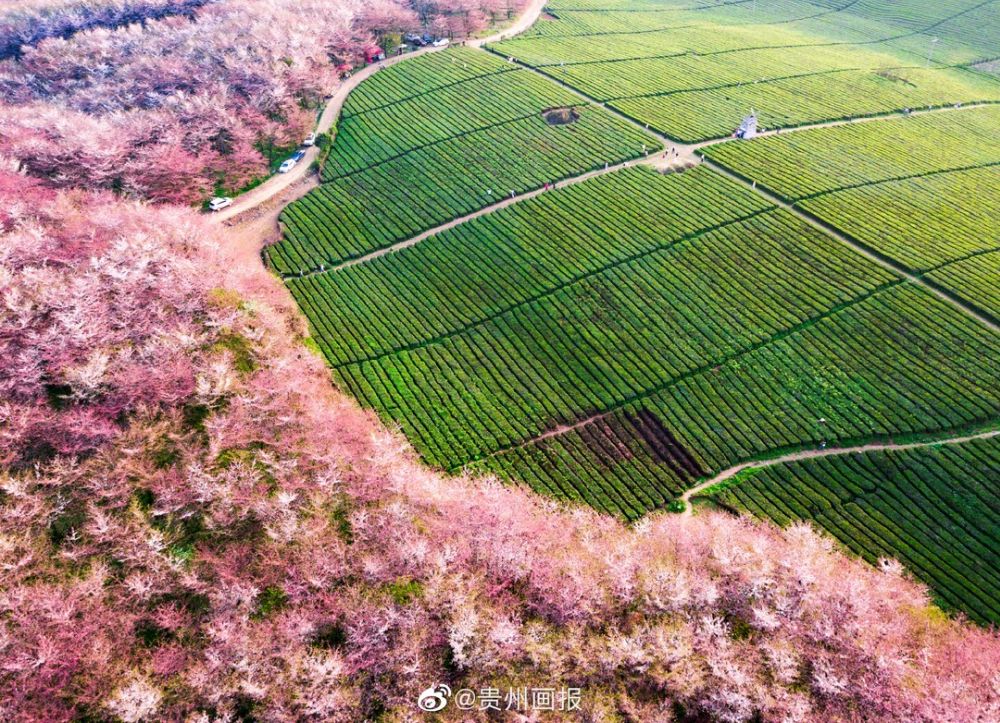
<point x="310" y="140"/>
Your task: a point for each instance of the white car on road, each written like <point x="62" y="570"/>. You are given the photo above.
<point x="220" y="202"/>
<point x="290" y="163"/>
<point x="440" y="42"/>
<point x="310" y="140"/>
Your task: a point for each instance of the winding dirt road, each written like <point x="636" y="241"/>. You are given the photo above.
<point x="813" y="453"/>
<point x="279" y="183"/>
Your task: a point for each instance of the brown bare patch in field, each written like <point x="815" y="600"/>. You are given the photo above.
<point x="663" y="445"/>
<point x="560" y="116"/>
<point x="990" y="66"/>
<point x="895" y="77"/>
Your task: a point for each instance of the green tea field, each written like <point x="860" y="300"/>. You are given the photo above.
<point x="689" y="71"/>
<point x="922" y="191"/>
<point x="412" y="153"/>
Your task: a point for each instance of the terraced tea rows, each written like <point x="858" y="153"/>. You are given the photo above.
<point x="697" y="73"/>
<point x="682" y="40"/>
<point x="384" y="133"/>
<point x="788" y="102"/>
<point x="419" y="155"/>
<point x="518" y="254"/>
<point x="799" y="165"/>
<point x="922" y="191"/>
<point x="974" y="280"/>
<point x="621" y="339"/>
<point x="490" y="362"/>
<point x="588" y="23"/>
<point x="936" y="509"/>
<point x="896" y="362"/>
<point x="922" y="222"/>
<point x="590" y="346"/>
<point x="423" y="75"/>
<point x="394" y="201"/>
<point x="965" y="29"/>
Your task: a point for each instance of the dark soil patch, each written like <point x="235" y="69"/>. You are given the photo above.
<point x="895" y="77"/>
<point x="560" y="116"/>
<point x="663" y="446"/>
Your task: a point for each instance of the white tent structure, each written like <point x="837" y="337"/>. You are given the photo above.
<point x="748" y="128"/>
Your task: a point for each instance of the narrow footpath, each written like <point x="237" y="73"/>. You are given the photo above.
<point x="814" y="453"/>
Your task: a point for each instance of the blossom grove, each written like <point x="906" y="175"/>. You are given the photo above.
<point x="163" y="100"/>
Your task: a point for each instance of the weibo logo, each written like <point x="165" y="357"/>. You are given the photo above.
<point x="434" y="698"/>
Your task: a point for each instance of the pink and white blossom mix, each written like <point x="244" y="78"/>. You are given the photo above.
<point x="162" y="99"/>
<point x="194" y="526"/>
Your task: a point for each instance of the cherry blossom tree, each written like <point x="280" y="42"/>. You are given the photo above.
<point x="195" y="526"/>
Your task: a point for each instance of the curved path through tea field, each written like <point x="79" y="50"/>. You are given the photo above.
<point x="731" y="472"/>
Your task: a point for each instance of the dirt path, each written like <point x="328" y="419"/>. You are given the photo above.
<point x="676" y="157"/>
<point x="523" y="22"/>
<point x="813" y="453"/>
<point x="508" y="201"/>
<point x="279" y="183"/>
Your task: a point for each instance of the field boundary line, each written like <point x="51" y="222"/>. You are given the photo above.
<point x="730" y="472"/>
<point x="822" y="13"/>
<point x="553" y="290"/>
<point x="960" y="259"/>
<point x="684" y="376"/>
<point x="762" y="81"/>
<point x="861" y="248"/>
<point x="894" y="179"/>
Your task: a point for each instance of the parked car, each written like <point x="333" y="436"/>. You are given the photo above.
<point x="290" y="163"/>
<point x="440" y="42"/>
<point x="310" y="139"/>
<point x="373" y="54"/>
<point x="414" y="39"/>
<point x="220" y="202"/>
